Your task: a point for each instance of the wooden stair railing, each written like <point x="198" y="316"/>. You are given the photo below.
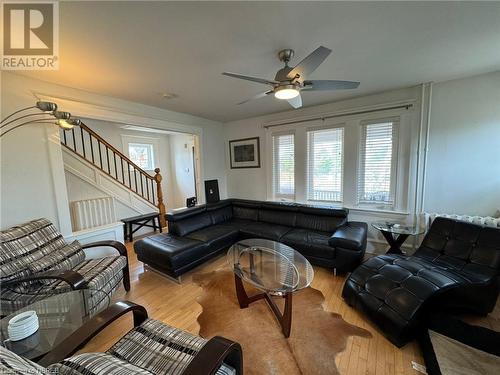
<point x="96" y="150"/>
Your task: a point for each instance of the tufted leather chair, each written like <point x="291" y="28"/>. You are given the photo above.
<point x="456" y="268"/>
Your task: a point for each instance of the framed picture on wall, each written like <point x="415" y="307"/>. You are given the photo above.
<point x="245" y="153"/>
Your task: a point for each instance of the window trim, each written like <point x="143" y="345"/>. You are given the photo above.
<point x="319" y="128"/>
<point x="273" y="177"/>
<point x="393" y="189"/>
<point x="151" y="148"/>
<point x="154" y="142"/>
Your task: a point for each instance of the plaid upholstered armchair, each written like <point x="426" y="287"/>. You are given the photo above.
<point x="150" y="348"/>
<point x="36" y="262"/>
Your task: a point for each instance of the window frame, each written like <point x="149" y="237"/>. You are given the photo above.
<point x="154" y="142"/>
<point x="151" y="148"/>
<point x="341" y="126"/>
<point x="274" y="181"/>
<point x="393" y="187"/>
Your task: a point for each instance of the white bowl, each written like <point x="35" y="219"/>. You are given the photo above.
<point x="23" y="318"/>
<point x="23" y="325"/>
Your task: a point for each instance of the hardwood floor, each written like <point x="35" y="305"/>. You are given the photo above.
<point x="176" y="305"/>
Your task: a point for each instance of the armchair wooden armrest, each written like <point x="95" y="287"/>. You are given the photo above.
<point x="108" y="243"/>
<point x="210" y="357"/>
<point x="90" y="329"/>
<point x="122" y="250"/>
<point x="73" y="278"/>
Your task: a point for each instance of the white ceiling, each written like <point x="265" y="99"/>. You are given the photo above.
<point x="137" y="50"/>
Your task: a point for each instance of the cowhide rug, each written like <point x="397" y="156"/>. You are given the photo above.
<point x="317" y="336"/>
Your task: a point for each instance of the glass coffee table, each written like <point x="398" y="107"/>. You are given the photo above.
<point x="272" y="267"/>
<point x="396" y="234"/>
<point x="59" y="316"/>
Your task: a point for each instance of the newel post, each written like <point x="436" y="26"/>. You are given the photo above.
<point x="160" y="204"/>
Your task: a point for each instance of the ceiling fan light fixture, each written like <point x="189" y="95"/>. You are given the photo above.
<point x="286" y="92"/>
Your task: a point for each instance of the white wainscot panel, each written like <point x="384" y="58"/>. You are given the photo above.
<point x="112" y="232"/>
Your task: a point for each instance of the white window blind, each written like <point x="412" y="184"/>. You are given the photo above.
<point x="325" y="159"/>
<point x="377" y="169"/>
<point x="284" y="166"/>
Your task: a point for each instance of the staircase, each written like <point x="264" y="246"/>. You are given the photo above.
<point x="86" y="144"/>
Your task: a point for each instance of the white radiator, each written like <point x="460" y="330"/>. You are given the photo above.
<point x="90" y="213"/>
<point x="482" y="220"/>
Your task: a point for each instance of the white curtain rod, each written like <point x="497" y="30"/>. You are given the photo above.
<point x="405" y="106"/>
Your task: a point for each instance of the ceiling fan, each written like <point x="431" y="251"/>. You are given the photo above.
<point x="289" y="82"/>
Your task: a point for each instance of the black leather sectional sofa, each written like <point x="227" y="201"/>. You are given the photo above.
<point x="456" y="269"/>
<point x="321" y="234"/>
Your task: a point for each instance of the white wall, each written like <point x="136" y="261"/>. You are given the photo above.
<point x="33" y="187"/>
<point x="463" y="169"/>
<point x="181" y="156"/>
<point x="32" y="175"/>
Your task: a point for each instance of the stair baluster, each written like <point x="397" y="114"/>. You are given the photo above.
<point x="147" y="181"/>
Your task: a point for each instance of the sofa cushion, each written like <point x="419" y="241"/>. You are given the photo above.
<point x="486" y="252"/>
<point x="158" y="348"/>
<point x="280" y="217"/>
<point x="216" y="236"/>
<point x="221" y="215"/>
<point x="320" y="223"/>
<point x="96" y="364"/>
<point x="245" y="213"/>
<point x="189" y="224"/>
<point x="23" y="245"/>
<point x="65" y="258"/>
<point x="169" y="251"/>
<point x="321" y="219"/>
<point x="310" y="243"/>
<point x="350" y="236"/>
<point x="263" y="230"/>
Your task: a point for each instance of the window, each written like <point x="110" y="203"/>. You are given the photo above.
<point x="142" y="155"/>
<point x="325" y="149"/>
<point x="377" y="168"/>
<point x="283" y="166"/>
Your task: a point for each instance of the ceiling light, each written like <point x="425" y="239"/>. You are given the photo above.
<point x="168" y="95"/>
<point x="286" y="92"/>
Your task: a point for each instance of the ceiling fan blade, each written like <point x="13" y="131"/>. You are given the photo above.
<point x="310" y="63"/>
<point x="295" y="102"/>
<point x="258" y="96"/>
<point x="323" y="85"/>
<point x="249" y="78"/>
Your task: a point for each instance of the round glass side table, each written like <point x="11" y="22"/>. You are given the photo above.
<point x="396" y="234"/>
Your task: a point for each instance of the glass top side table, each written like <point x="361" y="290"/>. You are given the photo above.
<point x="59" y="316"/>
<point x="396" y="234"/>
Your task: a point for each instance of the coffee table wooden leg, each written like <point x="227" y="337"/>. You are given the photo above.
<point x="286" y="319"/>
<point x="240" y="292"/>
